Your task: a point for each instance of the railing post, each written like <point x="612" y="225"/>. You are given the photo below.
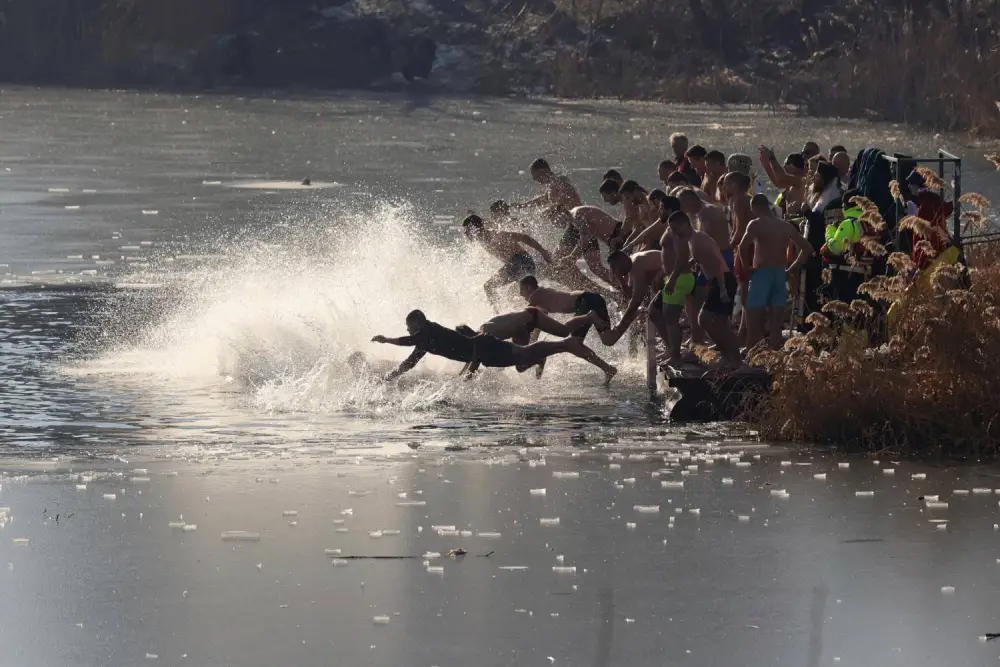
<point x="651" y="368"/>
<point x="957" y="213"/>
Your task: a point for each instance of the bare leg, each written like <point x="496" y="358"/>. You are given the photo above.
<point x="755" y="325"/>
<point x="553" y="326"/>
<point x="491" y="287"/>
<point x="776" y="316"/>
<point x="692" y="307"/>
<point x="537" y="352"/>
<point x="742" y="332"/>
<point x="672" y="315"/>
<point x="720" y="330"/>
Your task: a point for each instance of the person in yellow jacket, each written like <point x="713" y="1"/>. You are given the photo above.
<point x="841" y="238"/>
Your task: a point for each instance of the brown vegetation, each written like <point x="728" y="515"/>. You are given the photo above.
<point x="932" y="388"/>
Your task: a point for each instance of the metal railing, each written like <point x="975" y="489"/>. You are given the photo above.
<point x="943" y="158"/>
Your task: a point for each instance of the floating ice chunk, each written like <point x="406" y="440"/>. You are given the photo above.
<point x="948" y="590"/>
<point x="338" y="522"/>
<point x="489" y="536"/>
<point x="81" y="487"/>
<point x="375" y="534"/>
<point x="448" y="533"/>
<point x="695" y="511"/>
<point x="864" y="494"/>
<point x="942" y="526"/>
<point x="692" y="468"/>
<point x="820" y="476"/>
<point x="465" y="533"/>
<point x="843" y="466"/>
<point x="380" y="620"/>
<point x="629" y="525"/>
<point x="293" y="523"/>
<point x="439" y="528"/>
<point x="240" y="536"/>
<point x="331" y="552"/>
<point x="537" y="492"/>
<point x="152" y="656"/>
<point x="560" y="558"/>
<point x="549" y="522"/>
<point x="359" y="494"/>
<point x="779" y="492"/>
<point x="743" y="464"/>
<point x="937" y="506"/>
<point x="630" y="620"/>
<point x="629" y="480"/>
<point x="932" y="499"/>
<point x="347" y="512"/>
<point x="110" y="496"/>
<point x="982" y="492"/>
<point x="566" y="475"/>
<point x="786" y="464"/>
<point x="513" y="568"/>
<point x="959" y="492"/>
<point x="411" y="503"/>
<point x="559" y="569"/>
<point x="614" y="466"/>
<point x="435" y="569"/>
<point x="743" y="518"/>
<point x="190" y="528"/>
<point x="727" y="481"/>
<point x="340" y="562"/>
<point x="918" y="475"/>
<point x="390" y="533"/>
<point x="888" y="471"/>
<point x="21" y="541"/>
<point x="666" y="484"/>
<point x="647" y="509"/>
<point x="430" y="555"/>
<point x="140" y="471"/>
<point x="290" y="513"/>
<point x="149" y="212"/>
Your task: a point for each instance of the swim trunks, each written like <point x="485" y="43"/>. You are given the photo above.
<point x="614" y="242"/>
<point x="714" y="303"/>
<point x="590" y="302"/>
<point x="683" y="288"/>
<point x="569" y="240"/>
<point x="518" y="266"/>
<point x="767" y="288"/>
<point x="492" y="352"/>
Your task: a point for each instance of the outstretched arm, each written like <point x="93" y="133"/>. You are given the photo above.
<point x="639" y="290"/>
<point x="650" y="234"/>
<point x="540" y="200"/>
<point x="405" y="341"/>
<point x="410" y="362"/>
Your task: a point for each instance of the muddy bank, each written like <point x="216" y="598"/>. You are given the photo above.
<point x="927" y="63"/>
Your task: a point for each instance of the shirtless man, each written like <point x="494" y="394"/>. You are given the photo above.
<point x="431" y="338"/>
<point x="509" y="248"/>
<point x="640" y="276"/>
<point x="557" y="301"/>
<point x="764" y="247"/>
<point x="650" y="238"/>
<point x="679" y="145"/>
<point x="596" y="224"/>
<point x="712" y="220"/>
<point x="715" y="169"/>
<point x="790" y="178"/>
<point x="715" y="315"/>
<point x="613" y="175"/>
<point x="735" y="186"/>
<point x="521" y="327"/>
<point x="564" y="267"/>
<point x="558" y="189"/>
<point x="676" y="298"/>
<point x="635" y="203"/>
<point x="696" y="157"/>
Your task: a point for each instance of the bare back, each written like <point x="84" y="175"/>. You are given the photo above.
<point x="770" y="238"/>
<point x="647" y="268"/>
<point x="506" y="325"/>
<point x="706" y="252"/>
<point x="501" y="245"/>
<point x="595" y="221"/>
<point x="712" y="220"/>
<point x="668" y="252"/>
<point x="554" y="301"/>
<point x="740" y="214"/>
<point x="563" y="193"/>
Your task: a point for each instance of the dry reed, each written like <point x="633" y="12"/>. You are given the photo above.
<point x="928" y="387"/>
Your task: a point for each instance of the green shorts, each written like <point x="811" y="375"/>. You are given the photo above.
<point x="682" y="289"/>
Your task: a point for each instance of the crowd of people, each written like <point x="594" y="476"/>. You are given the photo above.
<point x="683" y="253"/>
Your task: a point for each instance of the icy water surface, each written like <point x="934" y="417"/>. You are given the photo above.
<point x="174" y="300"/>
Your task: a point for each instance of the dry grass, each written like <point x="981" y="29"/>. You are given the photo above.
<point x="930" y="390"/>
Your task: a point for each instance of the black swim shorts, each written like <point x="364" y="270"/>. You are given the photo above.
<point x="518" y="266"/>
<point x="714" y="303"/>
<point x="492" y="352"/>
<point x="569" y="240"/>
<point x="590" y="302"/>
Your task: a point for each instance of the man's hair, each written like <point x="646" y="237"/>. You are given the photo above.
<point x="810" y="147"/>
<point x="620" y="257"/>
<point x="678" y="178"/>
<point x="612" y="175"/>
<point x="696" y="151"/>
<point x="689" y="194"/>
<point x="416" y="316"/>
<point x="670" y="204"/>
<point x="678" y="218"/>
<point x="609" y="186"/>
<point x="473" y="223"/>
<point x="716" y="157"/>
<point x="742" y="180"/>
<point x="797" y="160"/>
<point x="657" y="195"/>
<point x="837" y="149"/>
<point x="760" y="201"/>
<point x="500" y="207"/>
<point x="678" y="136"/>
<point x="529" y="281"/>
<point x="667" y="164"/>
<point x="466" y="330"/>
<point x="630" y="186"/>
<point x="828" y="171"/>
<point x="541" y="164"/>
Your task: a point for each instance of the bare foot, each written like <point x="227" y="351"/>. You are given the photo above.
<point x="609" y="375"/>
